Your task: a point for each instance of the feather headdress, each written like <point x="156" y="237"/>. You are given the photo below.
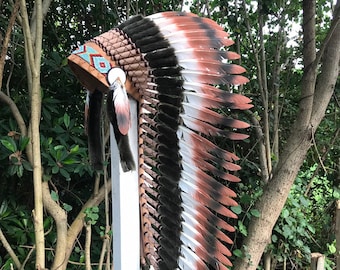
<point x="173" y="63"/>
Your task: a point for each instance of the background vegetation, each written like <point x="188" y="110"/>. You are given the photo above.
<point x="271" y="52"/>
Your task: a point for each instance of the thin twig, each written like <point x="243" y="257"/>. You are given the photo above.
<point x="106" y="237"/>
<point x="88" y="246"/>
<point x="7" y="38"/>
<point x="16" y="113"/>
<point x="9" y="249"/>
<point x="333" y="26"/>
<point x="317" y="151"/>
<point x="102" y="255"/>
<point x="27" y="258"/>
<point x="330" y="145"/>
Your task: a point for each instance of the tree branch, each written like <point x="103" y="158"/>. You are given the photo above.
<point x="60" y="218"/>
<point x="324" y="155"/>
<point x="337" y="231"/>
<point x="45" y="7"/>
<point x="9" y="249"/>
<point x="262" y="148"/>
<point x="88" y="246"/>
<point x="38" y="37"/>
<point x="16" y="113"/>
<point x="264" y="91"/>
<point x="7" y="38"/>
<point x="329" y="71"/>
<point x="78" y="223"/>
<point x="27" y="34"/>
<point x="33" y="60"/>
<point x="260" y="61"/>
<point x="332" y="30"/>
<point x="309" y="55"/>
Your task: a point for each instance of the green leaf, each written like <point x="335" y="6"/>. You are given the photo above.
<point x="299" y="243"/>
<point x="332" y="249"/>
<point x="242" y="228"/>
<point x="20" y="171"/>
<point x="91" y="214"/>
<point x="236" y="209"/>
<point x="67" y="207"/>
<point x="12" y="170"/>
<point x="54" y="196"/>
<point x="82" y="258"/>
<point x="274" y="238"/>
<point x="304" y="202"/>
<point x="69" y="161"/>
<point x="27" y="165"/>
<point x="310" y="228"/>
<point x="238" y="253"/>
<point x="3" y="207"/>
<point x="58" y="147"/>
<point x="285" y="213"/>
<point x="10" y="144"/>
<point x="47" y="177"/>
<point x="64" y="62"/>
<point x="255" y="212"/>
<point x="55" y="169"/>
<point x="336" y="193"/>
<point x="65" y="174"/>
<point x="287" y="232"/>
<point x="66" y="120"/>
<point x="58" y="155"/>
<point x="23" y="143"/>
<point x="49" y="140"/>
<point x="245" y="199"/>
<point x="74" y="149"/>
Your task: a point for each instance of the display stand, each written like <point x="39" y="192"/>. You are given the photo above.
<point x="125" y="203"/>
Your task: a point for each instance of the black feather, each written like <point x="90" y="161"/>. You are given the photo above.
<point x="94" y="130"/>
<point x="126" y="158"/>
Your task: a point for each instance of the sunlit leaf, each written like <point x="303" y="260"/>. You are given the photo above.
<point x="10" y="144"/>
<point x="75" y="149"/>
<point x="69" y="161"/>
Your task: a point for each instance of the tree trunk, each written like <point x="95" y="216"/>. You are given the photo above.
<point x="314" y="101"/>
<point x="60" y="217"/>
<point x="33" y="48"/>
<point x="317" y="261"/>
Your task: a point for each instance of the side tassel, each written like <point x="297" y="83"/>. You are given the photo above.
<point x="93" y="129"/>
<point x="122" y="140"/>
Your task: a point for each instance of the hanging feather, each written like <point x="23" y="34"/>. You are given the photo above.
<point x="174" y="63"/>
<point x="93" y="114"/>
<point x="118" y="110"/>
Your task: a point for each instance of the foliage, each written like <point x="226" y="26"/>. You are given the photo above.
<point x="91" y="215"/>
<point x="305" y="223"/>
<point x="19" y="230"/>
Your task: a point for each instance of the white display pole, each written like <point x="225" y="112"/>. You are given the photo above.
<point x="125" y="203"/>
